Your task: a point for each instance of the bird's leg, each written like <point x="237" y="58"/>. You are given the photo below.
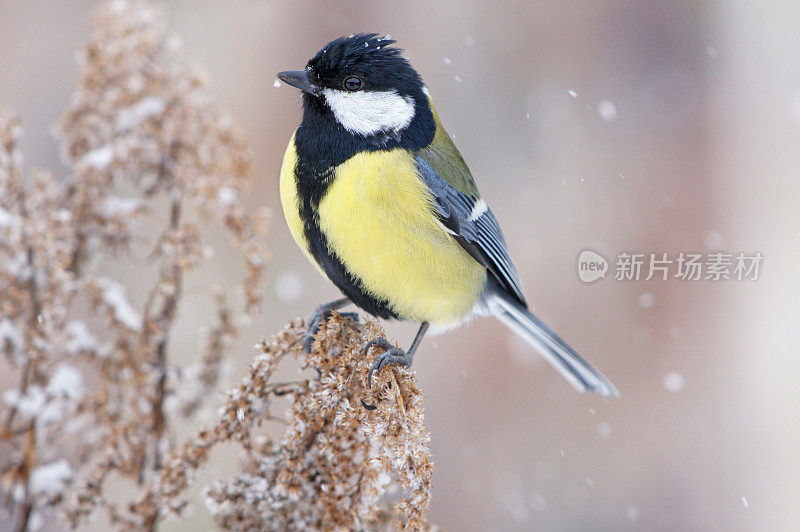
<point x="393" y="355"/>
<point x="322" y="313"/>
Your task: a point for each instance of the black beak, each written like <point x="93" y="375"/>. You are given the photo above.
<point x="299" y="79"/>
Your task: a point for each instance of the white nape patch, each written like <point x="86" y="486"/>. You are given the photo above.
<point x="478" y="209"/>
<point x="370" y="112"/>
<point x="425" y="91"/>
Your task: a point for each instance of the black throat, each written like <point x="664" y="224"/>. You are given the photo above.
<point x="322" y="144"/>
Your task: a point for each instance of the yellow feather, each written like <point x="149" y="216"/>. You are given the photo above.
<point x="290" y="201"/>
<point x="378" y="218"/>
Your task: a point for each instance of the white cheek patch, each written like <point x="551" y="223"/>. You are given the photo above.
<point x="370" y="112"/>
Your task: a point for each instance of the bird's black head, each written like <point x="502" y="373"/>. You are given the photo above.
<point x="361" y="86"/>
<point x="363" y="62"/>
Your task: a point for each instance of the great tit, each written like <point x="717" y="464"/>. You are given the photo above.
<point x="377" y="196"/>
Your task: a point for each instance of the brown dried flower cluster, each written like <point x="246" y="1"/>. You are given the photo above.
<point x="150" y="154"/>
<point x="142" y="117"/>
<point x="345" y="447"/>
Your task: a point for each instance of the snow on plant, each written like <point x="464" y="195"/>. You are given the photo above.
<point x="91" y="398"/>
<point x="344" y="448"/>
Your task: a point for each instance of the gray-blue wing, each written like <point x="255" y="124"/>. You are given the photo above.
<point x="473" y="225"/>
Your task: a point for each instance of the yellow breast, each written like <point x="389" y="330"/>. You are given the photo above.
<point x="291" y="203"/>
<point x="378" y="218"/>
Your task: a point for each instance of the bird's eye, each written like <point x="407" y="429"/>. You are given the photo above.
<point x="353" y="83"/>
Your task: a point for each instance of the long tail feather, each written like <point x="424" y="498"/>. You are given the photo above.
<point x="573" y="367"/>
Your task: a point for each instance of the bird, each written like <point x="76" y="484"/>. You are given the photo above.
<point x="377" y="196"/>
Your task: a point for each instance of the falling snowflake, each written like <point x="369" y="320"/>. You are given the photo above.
<point x="674" y="382"/>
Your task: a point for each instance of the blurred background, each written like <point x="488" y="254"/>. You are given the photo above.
<point x="620" y="126"/>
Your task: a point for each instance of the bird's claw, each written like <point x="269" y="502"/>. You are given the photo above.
<point x="321" y="313"/>
<point x="368" y="406"/>
<point x="352" y="315"/>
<point x="320" y="316"/>
<point x="392" y="356"/>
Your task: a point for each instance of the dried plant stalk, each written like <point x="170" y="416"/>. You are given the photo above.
<point x="36" y="241"/>
<point x="343" y="450"/>
<point x="94" y="396"/>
